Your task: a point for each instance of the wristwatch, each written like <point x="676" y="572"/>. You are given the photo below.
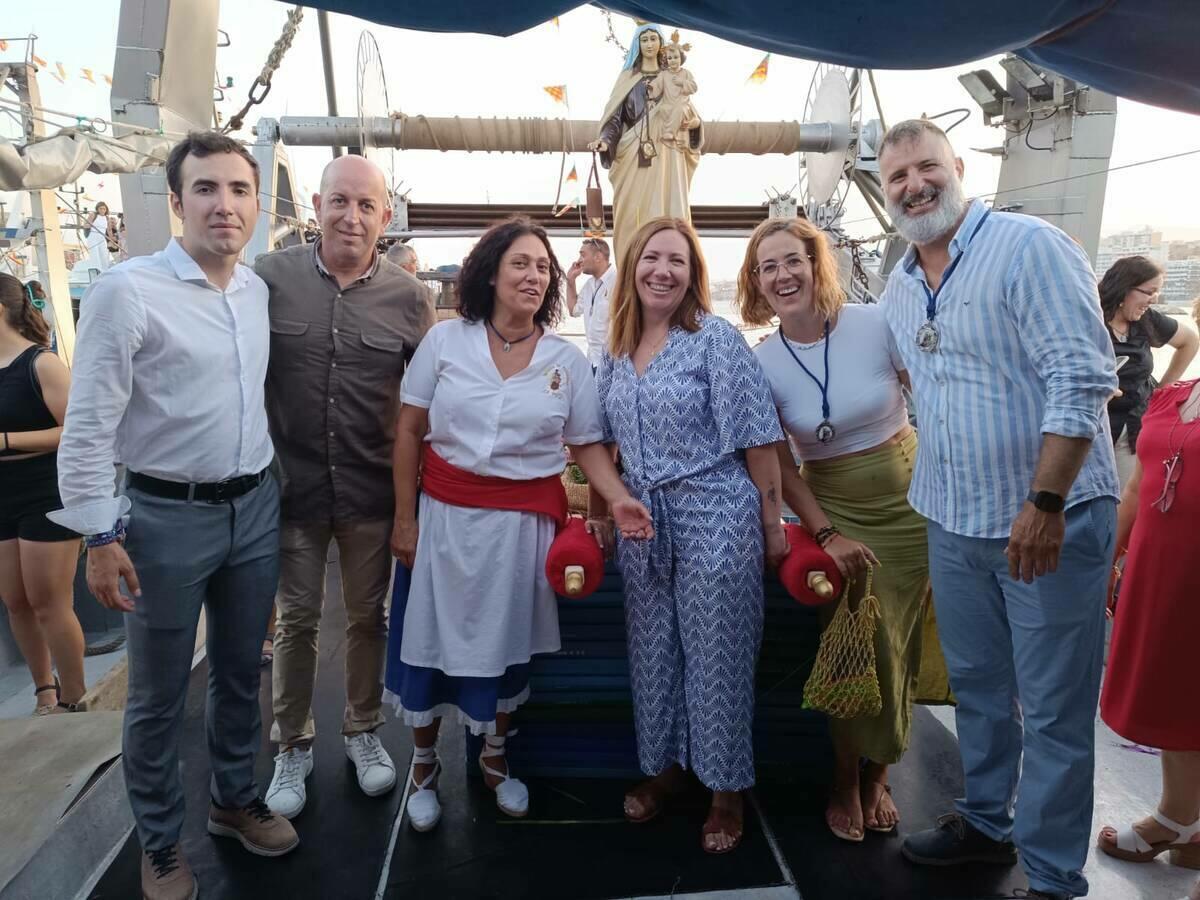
<point x="1047" y="501"/>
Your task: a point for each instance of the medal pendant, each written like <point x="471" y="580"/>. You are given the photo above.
<point x="928" y="337"/>
<point x="825" y="432"/>
<point x="507" y="346"/>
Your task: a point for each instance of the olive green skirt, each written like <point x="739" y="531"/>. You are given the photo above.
<point x="866" y="497"/>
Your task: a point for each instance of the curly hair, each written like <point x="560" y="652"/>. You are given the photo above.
<point x="476" y="291"/>
<point x="1121" y="278"/>
<point x="19" y="313"/>
<point x="828" y="295"/>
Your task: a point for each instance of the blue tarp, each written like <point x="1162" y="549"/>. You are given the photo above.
<point x="1146" y="50"/>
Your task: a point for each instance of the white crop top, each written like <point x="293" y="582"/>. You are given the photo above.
<point x="866" y="406"/>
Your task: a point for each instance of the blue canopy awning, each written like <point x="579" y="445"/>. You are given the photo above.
<point x="1146" y="50"/>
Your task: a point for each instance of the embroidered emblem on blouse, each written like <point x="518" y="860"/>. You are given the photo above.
<point x="556" y="380"/>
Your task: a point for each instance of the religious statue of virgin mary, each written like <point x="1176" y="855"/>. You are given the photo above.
<point x="650" y="177"/>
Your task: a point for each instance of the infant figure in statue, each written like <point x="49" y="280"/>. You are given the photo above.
<point x="672" y="89"/>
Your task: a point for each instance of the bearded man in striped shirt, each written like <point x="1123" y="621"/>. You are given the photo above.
<point x="998" y="320"/>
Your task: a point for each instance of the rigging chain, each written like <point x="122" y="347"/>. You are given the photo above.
<point x="274" y="58"/>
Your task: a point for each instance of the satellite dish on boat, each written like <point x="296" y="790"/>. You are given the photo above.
<point x="832" y="102"/>
<point x="372" y="94"/>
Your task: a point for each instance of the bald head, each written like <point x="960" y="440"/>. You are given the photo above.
<point x="356" y="168"/>
<point x="353" y="209"/>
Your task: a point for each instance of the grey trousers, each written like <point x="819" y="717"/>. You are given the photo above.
<point x="226" y="557"/>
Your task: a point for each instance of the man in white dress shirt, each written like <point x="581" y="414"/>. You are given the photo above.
<point x="592" y="301"/>
<point x="168" y="379"/>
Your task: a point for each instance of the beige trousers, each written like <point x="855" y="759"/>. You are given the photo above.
<point x="366" y="564"/>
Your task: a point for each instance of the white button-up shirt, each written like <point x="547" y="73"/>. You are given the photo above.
<point x="593" y="303"/>
<point x="167" y="379"/>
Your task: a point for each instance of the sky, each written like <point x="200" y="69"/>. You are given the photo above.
<point x="470" y="74"/>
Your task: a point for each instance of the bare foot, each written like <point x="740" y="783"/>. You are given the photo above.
<point x="844" y="815"/>
<point x="1149" y="828"/>
<point x="879" y="811"/>
<point x="723" y="829"/>
<point x="645" y="801"/>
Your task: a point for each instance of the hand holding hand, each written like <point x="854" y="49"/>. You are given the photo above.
<point x="106" y="566"/>
<point x="633" y="519"/>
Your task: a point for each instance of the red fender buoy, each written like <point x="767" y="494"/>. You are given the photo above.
<point x="575" y="563"/>
<point x="808" y="573"/>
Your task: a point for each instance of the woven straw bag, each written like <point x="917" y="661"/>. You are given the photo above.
<point x="844" y="683"/>
<point x="577" y="495"/>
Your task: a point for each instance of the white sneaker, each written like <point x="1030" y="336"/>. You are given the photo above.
<point x="286" y="795"/>
<point x="376" y="772"/>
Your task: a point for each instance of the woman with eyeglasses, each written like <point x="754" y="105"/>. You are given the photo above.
<point x="1151" y="670"/>
<point x="1128" y="291"/>
<point x="37" y="557"/>
<point x="835" y="376"/>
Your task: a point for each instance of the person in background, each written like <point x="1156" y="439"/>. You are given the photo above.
<point x="98" y="231"/>
<point x="1154" y="634"/>
<point x="345" y="321"/>
<point x="688" y="408"/>
<point x="1128" y="292"/>
<point x="41" y="303"/>
<point x="836" y="378"/>
<point x="593" y="300"/>
<point x="37" y="557"/>
<point x="488" y="403"/>
<point x="168" y="379"/>
<point x="404" y="256"/>
<point x="997" y="320"/>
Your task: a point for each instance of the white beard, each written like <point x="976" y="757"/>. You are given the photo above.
<point x="930" y="226"/>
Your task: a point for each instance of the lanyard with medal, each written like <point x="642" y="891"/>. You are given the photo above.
<point x="825" y="432"/>
<point x="928" y="336"/>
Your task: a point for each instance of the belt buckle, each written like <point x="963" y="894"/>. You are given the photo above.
<point x="220" y="489"/>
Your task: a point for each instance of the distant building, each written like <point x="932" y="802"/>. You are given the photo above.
<point x="1141" y="242"/>
<point x="1182" y="283"/>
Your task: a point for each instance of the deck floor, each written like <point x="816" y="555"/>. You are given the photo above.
<point x="575" y="843"/>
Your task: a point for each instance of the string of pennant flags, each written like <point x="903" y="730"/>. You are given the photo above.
<point x="59" y="72"/>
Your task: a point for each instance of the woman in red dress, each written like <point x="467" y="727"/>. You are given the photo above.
<point x="1151" y="667"/>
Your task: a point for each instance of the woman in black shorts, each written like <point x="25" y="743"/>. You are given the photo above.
<point x="37" y="557"/>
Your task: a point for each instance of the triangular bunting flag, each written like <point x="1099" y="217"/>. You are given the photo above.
<point x="557" y="91"/>
<point x="38" y="61"/>
<point x="58" y="78"/>
<point x="4" y="44"/>
<point x="62" y="72"/>
<point x="108" y="80"/>
<point x="87" y="73"/>
<point x="759" y="75"/>
<point x="574" y="176"/>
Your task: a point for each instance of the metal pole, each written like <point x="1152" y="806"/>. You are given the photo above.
<point x="327" y="65"/>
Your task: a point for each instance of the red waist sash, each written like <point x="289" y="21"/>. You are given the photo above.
<point x="458" y="487"/>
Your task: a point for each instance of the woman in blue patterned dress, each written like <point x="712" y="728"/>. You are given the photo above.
<point x="687" y="405"/>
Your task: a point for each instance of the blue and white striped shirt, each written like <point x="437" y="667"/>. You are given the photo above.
<point x="1023" y="352"/>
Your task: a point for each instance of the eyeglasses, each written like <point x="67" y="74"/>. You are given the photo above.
<point x="1172" y="469"/>
<point x="594" y="242"/>
<point x="794" y="264"/>
<point x="1146" y="293"/>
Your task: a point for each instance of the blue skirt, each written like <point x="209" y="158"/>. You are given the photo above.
<point x="420" y="695"/>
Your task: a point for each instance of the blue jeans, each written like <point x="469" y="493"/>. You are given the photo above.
<point x="224" y="556"/>
<point x="1025" y="663"/>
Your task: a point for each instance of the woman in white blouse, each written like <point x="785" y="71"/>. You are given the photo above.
<point x="836" y="377"/>
<point x="488" y="401"/>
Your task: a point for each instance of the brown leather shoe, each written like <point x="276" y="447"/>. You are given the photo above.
<point x="167" y="876"/>
<point x="261" y="831"/>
